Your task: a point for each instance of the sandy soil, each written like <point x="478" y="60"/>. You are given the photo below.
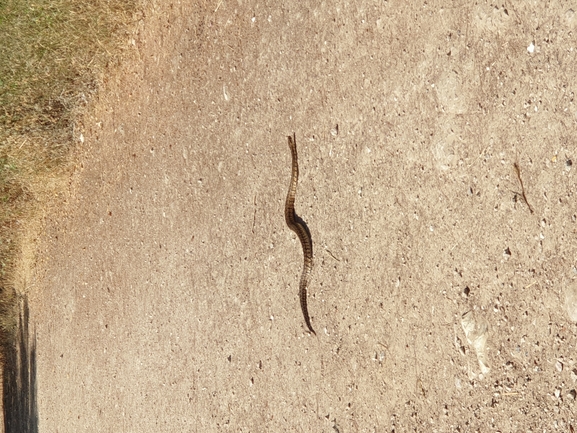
<point x="165" y="290"/>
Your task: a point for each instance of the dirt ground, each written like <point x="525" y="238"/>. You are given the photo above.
<point x="165" y="287"/>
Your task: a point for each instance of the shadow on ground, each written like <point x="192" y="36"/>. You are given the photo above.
<point x="20" y="406"/>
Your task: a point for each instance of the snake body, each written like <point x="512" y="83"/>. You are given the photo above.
<point x="297" y="225"/>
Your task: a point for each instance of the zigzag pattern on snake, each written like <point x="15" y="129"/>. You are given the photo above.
<point x="297" y="225"/>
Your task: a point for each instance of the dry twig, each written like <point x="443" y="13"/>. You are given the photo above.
<point x="518" y="172"/>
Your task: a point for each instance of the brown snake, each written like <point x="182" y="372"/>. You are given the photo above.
<point x="297" y="225"/>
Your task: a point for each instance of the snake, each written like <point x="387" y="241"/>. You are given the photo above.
<point x="297" y="225"/>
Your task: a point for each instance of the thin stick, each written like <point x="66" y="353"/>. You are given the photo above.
<point x="518" y="171"/>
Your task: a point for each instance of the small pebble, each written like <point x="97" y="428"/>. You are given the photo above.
<point x="559" y="366"/>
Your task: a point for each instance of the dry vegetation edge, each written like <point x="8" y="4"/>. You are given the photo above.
<point x="53" y="55"/>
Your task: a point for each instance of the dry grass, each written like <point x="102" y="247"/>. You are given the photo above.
<point x="52" y="53"/>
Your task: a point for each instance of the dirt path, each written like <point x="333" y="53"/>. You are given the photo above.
<point x="165" y="294"/>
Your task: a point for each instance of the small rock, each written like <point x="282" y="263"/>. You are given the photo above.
<point x="571" y="299"/>
<point x="559" y="366"/>
<point x="476" y="332"/>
